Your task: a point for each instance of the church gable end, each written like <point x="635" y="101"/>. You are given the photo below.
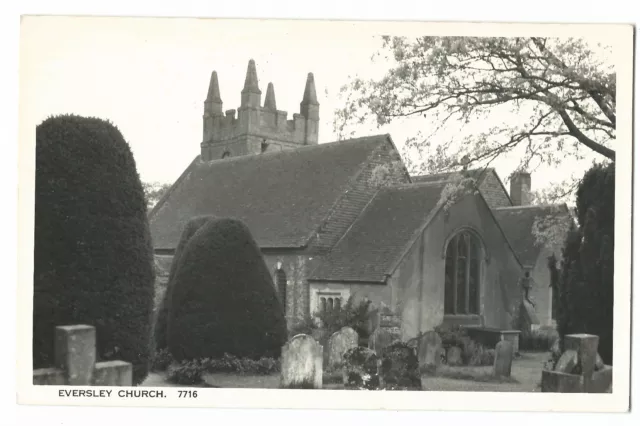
<point x="384" y="167"/>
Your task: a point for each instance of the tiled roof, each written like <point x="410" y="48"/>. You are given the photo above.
<point x="517" y="224"/>
<point x="282" y="197"/>
<point x="380" y="236"/>
<point x="440" y="177"/>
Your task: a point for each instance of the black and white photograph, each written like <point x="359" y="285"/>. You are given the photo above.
<point x="220" y="206"/>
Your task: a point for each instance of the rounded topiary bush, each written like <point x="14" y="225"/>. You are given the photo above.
<point x="223" y="298"/>
<point x="93" y="255"/>
<point x="160" y="325"/>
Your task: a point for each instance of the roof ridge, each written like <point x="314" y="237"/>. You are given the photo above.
<point x="530" y="206"/>
<point x="250" y="157"/>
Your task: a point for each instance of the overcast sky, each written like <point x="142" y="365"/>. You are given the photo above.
<point x="150" y="77"/>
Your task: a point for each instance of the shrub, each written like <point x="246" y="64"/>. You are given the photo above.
<point x="306" y="325"/>
<point x="473" y="353"/>
<point x="161" y="360"/>
<point x="538" y="340"/>
<point x="399" y="367"/>
<point x="584" y="284"/>
<point x="92" y="247"/>
<point x="352" y="314"/>
<point x="231" y="364"/>
<point x="186" y="373"/>
<point x="223" y="299"/>
<point x="361" y="369"/>
<point x="160" y="326"/>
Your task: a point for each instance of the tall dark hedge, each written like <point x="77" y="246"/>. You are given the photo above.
<point x="160" y="328"/>
<point x="585" y="287"/>
<point x="93" y="254"/>
<point x="223" y="299"/>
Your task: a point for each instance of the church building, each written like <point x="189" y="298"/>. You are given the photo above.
<point x="329" y="228"/>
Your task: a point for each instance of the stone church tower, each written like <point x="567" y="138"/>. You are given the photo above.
<point x="256" y="129"/>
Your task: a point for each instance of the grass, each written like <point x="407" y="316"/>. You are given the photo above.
<point x="475" y="374"/>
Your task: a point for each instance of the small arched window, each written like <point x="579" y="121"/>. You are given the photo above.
<point x="462" y="275"/>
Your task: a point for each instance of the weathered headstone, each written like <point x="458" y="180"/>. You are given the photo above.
<point x="75" y="362"/>
<point x="429" y="351"/>
<point x="301" y="363"/>
<point x="454" y="356"/>
<point x="340" y="342"/>
<point x="567" y="362"/>
<point x="504" y="359"/>
<point x="383" y="337"/>
<point x="75" y="353"/>
<point x="586" y="346"/>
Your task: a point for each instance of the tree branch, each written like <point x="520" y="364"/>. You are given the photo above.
<point x="582" y="138"/>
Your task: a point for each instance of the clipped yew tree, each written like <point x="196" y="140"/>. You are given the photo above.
<point x="223" y="298"/>
<point x="93" y="255"/>
<point x="160" y="326"/>
<point x="585" y="279"/>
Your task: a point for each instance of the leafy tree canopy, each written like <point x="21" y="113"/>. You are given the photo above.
<point x="551" y="100"/>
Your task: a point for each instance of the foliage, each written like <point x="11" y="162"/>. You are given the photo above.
<point x="551" y="229"/>
<point x="153" y="192"/>
<point x="160" y="325"/>
<point x="351" y="314"/>
<point x="399" y="367"/>
<point x="223" y="299"/>
<point x="161" y="360"/>
<point x="186" y="373"/>
<point x="361" y="369"/>
<point x="307" y="325"/>
<point x="226" y="364"/>
<point x="473" y="353"/>
<point x="92" y="246"/>
<point x="584" y="283"/>
<point x="541" y="339"/>
<point x="561" y="94"/>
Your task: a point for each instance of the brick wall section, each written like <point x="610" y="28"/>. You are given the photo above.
<point x="494" y="192"/>
<point x="355" y="199"/>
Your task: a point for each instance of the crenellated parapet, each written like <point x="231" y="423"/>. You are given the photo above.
<point x="255" y="128"/>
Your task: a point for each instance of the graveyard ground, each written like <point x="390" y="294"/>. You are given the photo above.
<point x="525" y="377"/>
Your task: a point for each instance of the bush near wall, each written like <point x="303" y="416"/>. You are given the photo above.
<point x="223" y="298"/>
<point x="473" y="353"/>
<point x="160" y="324"/>
<point x="92" y="247"/>
<point x="584" y="282"/>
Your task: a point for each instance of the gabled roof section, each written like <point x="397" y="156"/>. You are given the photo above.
<point x="377" y="240"/>
<point x="282" y="197"/>
<point x="517" y="224"/>
<point x="480" y="174"/>
<point x="447" y="176"/>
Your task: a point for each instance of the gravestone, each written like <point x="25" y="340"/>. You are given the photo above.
<point x="454" y="356"/>
<point x="504" y="359"/>
<point x="360" y="369"/>
<point x="429" y="351"/>
<point x="340" y="342"/>
<point x="383" y="337"/>
<point x="75" y="362"/>
<point x="567" y="362"/>
<point x="301" y="363"/>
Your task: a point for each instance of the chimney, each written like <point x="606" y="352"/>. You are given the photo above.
<point x="520" y="190"/>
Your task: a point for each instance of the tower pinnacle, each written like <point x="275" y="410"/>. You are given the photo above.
<point x="251" y="80"/>
<point x="214" y="89"/>
<point x="309" y="96"/>
<point x="270" y="99"/>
